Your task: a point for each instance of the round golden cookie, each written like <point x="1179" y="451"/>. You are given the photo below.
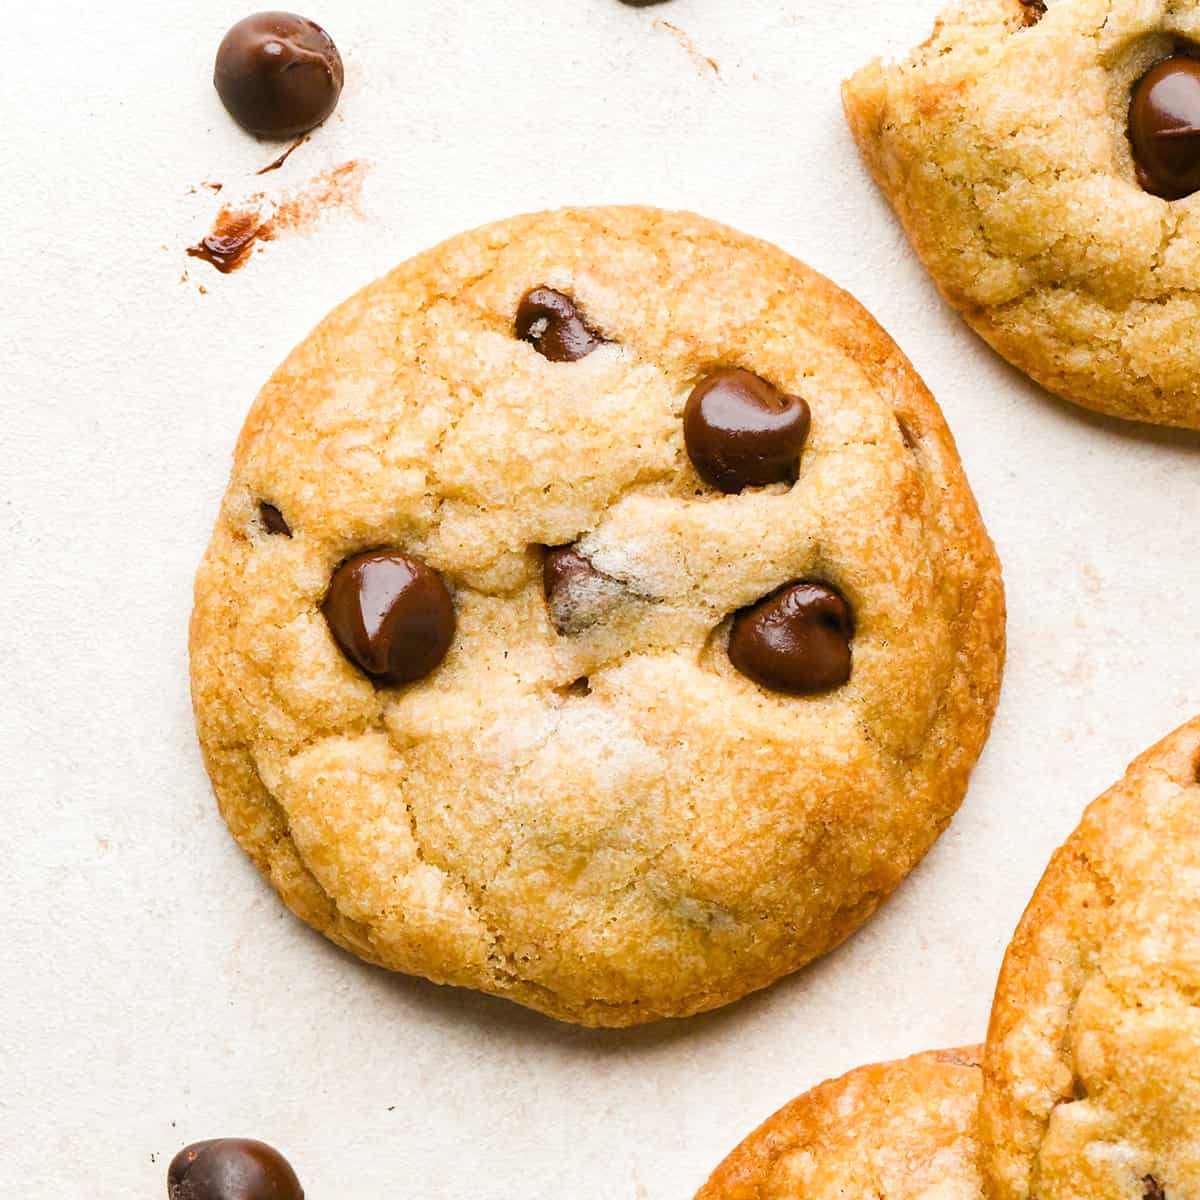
<point x="1093" y="1060"/>
<point x="1002" y="143"/>
<point x="585" y="806"/>
<point x="895" y="1131"/>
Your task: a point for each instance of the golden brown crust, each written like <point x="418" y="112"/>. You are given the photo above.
<point x="894" y="1131"/>
<point x="1002" y="147"/>
<point x="1093" y="1056"/>
<point x="678" y="837"/>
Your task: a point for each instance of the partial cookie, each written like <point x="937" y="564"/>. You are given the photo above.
<point x="1093" y="1057"/>
<point x="597" y="616"/>
<point x="897" y="1131"/>
<point x="1003" y="145"/>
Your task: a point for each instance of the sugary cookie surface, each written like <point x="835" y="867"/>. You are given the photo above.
<point x="1049" y="188"/>
<point x="1093" y="1060"/>
<point x="461" y="652"/>
<point x="896" y="1131"/>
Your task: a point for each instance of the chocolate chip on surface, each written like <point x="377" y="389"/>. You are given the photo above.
<point x="231" y="1169"/>
<point x="553" y="325"/>
<point x="390" y="615"/>
<point x="278" y="74"/>
<point x="741" y="431"/>
<point x="796" y="641"/>
<point x="1164" y="128"/>
<point x="577" y="594"/>
<point x="273" y="520"/>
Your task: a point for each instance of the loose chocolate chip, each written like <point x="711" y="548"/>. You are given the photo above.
<point x="741" y="431"/>
<point x="231" y="1169"/>
<point x="1154" y="1189"/>
<point x="577" y="594"/>
<point x="552" y="324"/>
<point x="391" y="615"/>
<point x="1164" y="128"/>
<point x="278" y="74"/>
<point x="796" y="641"/>
<point x="273" y="520"/>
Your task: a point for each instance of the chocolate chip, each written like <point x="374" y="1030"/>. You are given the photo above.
<point x="797" y="640"/>
<point x="578" y="688"/>
<point x="1154" y="1189"/>
<point x="1164" y="128"/>
<point x="577" y="594"/>
<point x="1032" y="11"/>
<point x="552" y="324"/>
<point x="641" y="3"/>
<point x="741" y="431"/>
<point x="278" y="74"/>
<point x="273" y="520"/>
<point x="391" y="615"/>
<point x="906" y="432"/>
<point x="231" y="1169"/>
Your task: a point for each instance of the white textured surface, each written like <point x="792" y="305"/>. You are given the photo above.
<point x="153" y="990"/>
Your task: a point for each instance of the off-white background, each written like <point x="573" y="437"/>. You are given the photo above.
<point x="153" y="990"/>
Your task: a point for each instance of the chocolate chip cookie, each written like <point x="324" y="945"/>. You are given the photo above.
<point x="897" y="1131"/>
<point x="598" y="616"/>
<point x="1044" y="159"/>
<point x="1093" y="1059"/>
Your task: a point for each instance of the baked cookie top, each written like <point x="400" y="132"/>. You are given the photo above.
<point x="512" y="670"/>
<point x="1003" y="145"/>
<point x="896" y="1131"/>
<point x="1093" y="1058"/>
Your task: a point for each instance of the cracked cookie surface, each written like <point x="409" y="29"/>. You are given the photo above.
<point x="586" y="808"/>
<point x="1002" y="143"/>
<point x="894" y="1131"/>
<point x="1093" y="1058"/>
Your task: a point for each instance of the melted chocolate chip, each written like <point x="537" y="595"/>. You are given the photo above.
<point x="906" y="432"/>
<point x="231" y="1169"/>
<point x="741" y="431"/>
<point x="563" y="566"/>
<point x="1154" y="1189"/>
<point x="552" y="324"/>
<point x="795" y="641"/>
<point x="278" y="74"/>
<point x="273" y="520"/>
<point x="577" y="594"/>
<point x="1164" y="128"/>
<point x="390" y="615"/>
